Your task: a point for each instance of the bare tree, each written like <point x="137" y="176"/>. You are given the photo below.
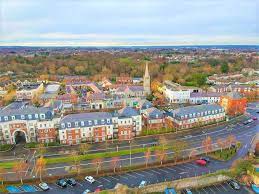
<point x="161" y="155"/>
<point x="220" y="143"/>
<point x="147" y="156"/>
<point x="193" y="153"/>
<point x="207" y="144"/>
<point x="97" y="163"/>
<point x="40" y="166"/>
<point x="2" y="175"/>
<point x="231" y="139"/>
<point x="76" y="161"/>
<point x="20" y="168"/>
<point x="162" y="141"/>
<point x="114" y="163"/>
<point x="41" y="149"/>
<point x="84" y="147"/>
<point x="178" y="146"/>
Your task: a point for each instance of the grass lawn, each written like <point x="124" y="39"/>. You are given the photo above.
<point x="156" y="131"/>
<point x="225" y="154"/>
<point x="99" y="155"/>
<point x="7" y="165"/>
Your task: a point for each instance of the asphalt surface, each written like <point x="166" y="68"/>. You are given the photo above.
<point x="243" y="133"/>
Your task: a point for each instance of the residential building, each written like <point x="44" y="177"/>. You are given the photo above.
<point x="19" y="123"/>
<point x="94" y="127"/>
<point x="153" y="118"/>
<point x="233" y="103"/>
<point x="194" y="116"/>
<point x="205" y="98"/>
<point x="29" y="91"/>
<point x="124" y="80"/>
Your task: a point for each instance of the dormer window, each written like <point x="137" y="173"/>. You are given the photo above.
<point x="76" y="124"/>
<point x="69" y="124"/>
<point x="30" y="116"/>
<point x="42" y="116"/>
<point x="108" y="121"/>
<point x="95" y="122"/>
<point x="22" y="117"/>
<point x="36" y="116"/>
<point x="82" y="123"/>
<point x="13" y="117"/>
<point x="63" y="125"/>
<point x="90" y="122"/>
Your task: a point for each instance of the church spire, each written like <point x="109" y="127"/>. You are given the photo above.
<point x="146" y="81"/>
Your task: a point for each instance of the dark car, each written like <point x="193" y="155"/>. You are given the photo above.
<point x="234" y="184"/>
<point x="205" y="159"/>
<point x="61" y="182"/>
<point x="71" y="181"/>
<point x="186" y="191"/>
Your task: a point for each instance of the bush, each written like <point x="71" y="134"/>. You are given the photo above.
<point x="31" y="145"/>
<point x="5" y="147"/>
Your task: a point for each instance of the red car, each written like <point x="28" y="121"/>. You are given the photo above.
<point x="201" y="162"/>
<point x="254" y="118"/>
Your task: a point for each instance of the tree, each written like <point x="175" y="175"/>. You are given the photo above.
<point x="114" y="163"/>
<point x="193" y="153"/>
<point x="84" y="147"/>
<point x="231" y="139"/>
<point x="20" y="168"/>
<point x="64" y="70"/>
<point x="161" y="155"/>
<point x="207" y="144"/>
<point x="76" y="161"/>
<point x="178" y="147"/>
<point x="41" y="149"/>
<point x="40" y="166"/>
<point x="220" y="143"/>
<point x="97" y="164"/>
<point x="162" y="141"/>
<point x="147" y="156"/>
<point x="224" y="67"/>
<point x="2" y="175"/>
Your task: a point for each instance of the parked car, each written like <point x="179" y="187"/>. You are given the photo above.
<point x="186" y="191"/>
<point x="61" y="183"/>
<point x="44" y="186"/>
<point x="97" y="190"/>
<point x="71" y="181"/>
<point x="254" y="118"/>
<point x="234" y="184"/>
<point x="86" y="191"/>
<point x="90" y="179"/>
<point x="142" y="184"/>
<point x="201" y="162"/>
<point x="205" y="159"/>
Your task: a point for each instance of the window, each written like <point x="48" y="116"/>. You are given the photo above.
<point x="42" y="116"/>
<point x="13" y="117"/>
<point x="6" y="118"/>
<point x="108" y="121"/>
<point x="76" y="124"/>
<point x="63" y="125"/>
<point x="90" y="122"/>
<point x="69" y="124"/>
<point x="95" y="122"/>
<point x="82" y="123"/>
<point x="36" y="116"/>
<point x="30" y="116"/>
<point x="22" y="117"/>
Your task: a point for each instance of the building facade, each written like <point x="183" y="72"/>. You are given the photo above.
<point x="194" y="116"/>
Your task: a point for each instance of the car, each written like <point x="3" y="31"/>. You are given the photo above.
<point x="86" y="191"/>
<point x="71" y="181"/>
<point x="186" y="191"/>
<point x="142" y="184"/>
<point x="234" y="184"/>
<point x="201" y="162"/>
<point x="90" y="179"/>
<point x="254" y="118"/>
<point x="205" y="159"/>
<point x="62" y="183"/>
<point x="44" y="186"/>
<point x="97" y="190"/>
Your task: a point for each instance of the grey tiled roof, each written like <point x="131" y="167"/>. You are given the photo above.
<point x="234" y="95"/>
<point x="128" y="112"/>
<point x="195" y="109"/>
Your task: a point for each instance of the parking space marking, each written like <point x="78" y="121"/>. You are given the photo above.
<point x="223" y="187"/>
<point x="148" y="173"/>
<point x="123" y="177"/>
<point x="36" y="187"/>
<point x="192" y="166"/>
<point x="216" y="187"/>
<point x="179" y="168"/>
<point x="138" y="174"/>
<point x="211" y="189"/>
<point x="170" y="169"/>
<point x="79" y="184"/>
<point x="114" y="178"/>
<point x="162" y="170"/>
<point x="204" y="190"/>
<point x="155" y="171"/>
<point x="131" y="175"/>
<point x="105" y="179"/>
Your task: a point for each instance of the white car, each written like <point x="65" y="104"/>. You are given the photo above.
<point x="90" y="179"/>
<point x="142" y="184"/>
<point x="44" y="186"/>
<point x="86" y="191"/>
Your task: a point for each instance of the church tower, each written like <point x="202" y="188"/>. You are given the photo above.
<point x="146" y="81"/>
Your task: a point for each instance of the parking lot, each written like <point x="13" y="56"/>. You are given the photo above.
<point x="222" y="188"/>
<point x="22" y="189"/>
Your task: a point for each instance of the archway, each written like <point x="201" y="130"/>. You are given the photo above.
<point x="19" y="137"/>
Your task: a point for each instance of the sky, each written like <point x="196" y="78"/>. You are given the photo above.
<point x="128" y="22"/>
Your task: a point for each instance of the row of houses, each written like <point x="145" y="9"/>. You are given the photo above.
<point x="22" y="122"/>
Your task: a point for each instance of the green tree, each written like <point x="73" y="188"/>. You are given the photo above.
<point x="224" y="67"/>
